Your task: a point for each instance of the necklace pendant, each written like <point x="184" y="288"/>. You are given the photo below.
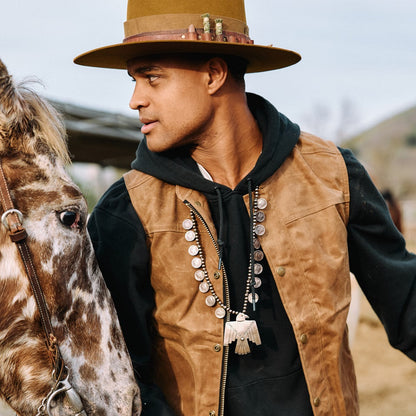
<point x="241" y="330"/>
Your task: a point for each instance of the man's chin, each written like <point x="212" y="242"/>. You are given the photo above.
<point x="155" y="147"/>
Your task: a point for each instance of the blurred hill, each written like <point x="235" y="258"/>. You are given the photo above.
<point x="388" y="151"/>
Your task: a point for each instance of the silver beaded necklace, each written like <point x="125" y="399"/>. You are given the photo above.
<point x="242" y="329"/>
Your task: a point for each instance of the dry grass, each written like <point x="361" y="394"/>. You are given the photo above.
<point x="386" y="377"/>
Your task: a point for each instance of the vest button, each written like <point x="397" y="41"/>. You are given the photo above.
<point x="304" y="339"/>
<point x="281" y="271"/>
<point x="217" y="275"/>
<point x="217" y="347"/>
<point x="198" y="204"/>
<point x="212" y="413"/>
<point x="316" y="401"/>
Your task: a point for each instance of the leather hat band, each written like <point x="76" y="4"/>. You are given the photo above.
<point x="178" y="23"/>
<point x="190" y="34"/>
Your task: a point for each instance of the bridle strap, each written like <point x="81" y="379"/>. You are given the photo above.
<point x="12" y="219"/>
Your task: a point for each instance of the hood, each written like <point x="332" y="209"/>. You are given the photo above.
<point x="176" y="167"/>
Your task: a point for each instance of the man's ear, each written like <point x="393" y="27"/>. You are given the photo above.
<point x="217" y="71"/>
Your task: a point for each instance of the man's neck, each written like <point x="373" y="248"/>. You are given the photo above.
<point x="232" y="148"/>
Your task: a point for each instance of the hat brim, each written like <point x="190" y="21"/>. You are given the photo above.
<point x="260" y="58"/>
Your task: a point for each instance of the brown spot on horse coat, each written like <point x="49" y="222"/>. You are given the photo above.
<point x="88" y="372"/>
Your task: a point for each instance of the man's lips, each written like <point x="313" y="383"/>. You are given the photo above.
<point x="148" y="125"/>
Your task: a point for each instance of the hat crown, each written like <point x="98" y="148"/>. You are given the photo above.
<point x="155" y="27"/>
<point x="228" y="8"/>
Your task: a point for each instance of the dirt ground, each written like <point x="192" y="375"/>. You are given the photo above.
<point x="386" y="377"/>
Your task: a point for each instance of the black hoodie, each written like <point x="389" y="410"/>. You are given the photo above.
<point x="269" y="380"/>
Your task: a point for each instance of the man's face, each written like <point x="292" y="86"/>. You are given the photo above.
<point x="171" y="96"/>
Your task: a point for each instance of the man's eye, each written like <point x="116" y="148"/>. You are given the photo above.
<point x="152" y="78"/>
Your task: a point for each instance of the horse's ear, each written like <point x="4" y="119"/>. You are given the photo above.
<point x="28" y="123"/>
<point x="4" y="88"/>
<point x="15" y="117"/>
<point x="8" y="94"/>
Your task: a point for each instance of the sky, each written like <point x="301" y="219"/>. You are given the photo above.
<point x="358" y="62"/>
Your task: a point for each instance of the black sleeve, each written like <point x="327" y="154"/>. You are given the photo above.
<point x="121" y="250"/>
<point x="383" y="267"/>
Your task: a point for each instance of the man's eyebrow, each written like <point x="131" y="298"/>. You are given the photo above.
<point x="143" y="69"/>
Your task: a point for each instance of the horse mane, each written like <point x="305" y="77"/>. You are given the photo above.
<point x="28" y="123"/>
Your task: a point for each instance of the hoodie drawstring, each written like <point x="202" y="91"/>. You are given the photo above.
<point x="251" y="204"/>
<point x="220" y="240"/>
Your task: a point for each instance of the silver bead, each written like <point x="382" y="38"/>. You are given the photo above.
<point x="199" y="275"/>
<point x="259" y="229"/>
<point x="193" y="250"/>
<point x="190" y="235"/>
<point x="258" y="255"/>
<point x="210" y="300"/>
<point x="260" y="216"/>
<point x="196" y="262"/>
<point x="250" y="297"/>
<point x="261" y="203"/>
<point x="219" y="313"/>
<point x="258" y="268"/>
<point x="187" y="224"/>
<point x="203" y="287"/>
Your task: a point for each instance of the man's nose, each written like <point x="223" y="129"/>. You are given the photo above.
<point x="138" y="99"/>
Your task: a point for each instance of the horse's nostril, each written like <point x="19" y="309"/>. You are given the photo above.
<point x="137" y="405"/>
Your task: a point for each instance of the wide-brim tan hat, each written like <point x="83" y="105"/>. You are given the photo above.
<point x="155" y="27"/>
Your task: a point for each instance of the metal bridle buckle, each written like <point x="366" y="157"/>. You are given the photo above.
<point x="64" y="386"/>
<point x="7" y="213"/>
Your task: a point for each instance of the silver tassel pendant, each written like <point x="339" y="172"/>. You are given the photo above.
<point x="241" y="330"/>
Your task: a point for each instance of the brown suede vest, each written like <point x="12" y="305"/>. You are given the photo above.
<point x="306" y="247"/>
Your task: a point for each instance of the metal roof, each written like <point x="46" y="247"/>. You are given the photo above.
<point x="101" y="137"/>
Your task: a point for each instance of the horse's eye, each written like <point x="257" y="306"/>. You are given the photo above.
<point x="70" y="219"/>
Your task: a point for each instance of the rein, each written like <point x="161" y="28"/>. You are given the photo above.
<point x="12" y="220"/>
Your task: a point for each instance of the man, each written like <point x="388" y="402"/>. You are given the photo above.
<point x="228" y="246"/>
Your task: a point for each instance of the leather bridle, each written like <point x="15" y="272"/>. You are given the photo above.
<point x="12" y="219"/>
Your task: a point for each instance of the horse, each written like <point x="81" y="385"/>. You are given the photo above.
<point x="62" y="351"/>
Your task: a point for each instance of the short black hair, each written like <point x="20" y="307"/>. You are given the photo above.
<point x="236" y="65"/>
